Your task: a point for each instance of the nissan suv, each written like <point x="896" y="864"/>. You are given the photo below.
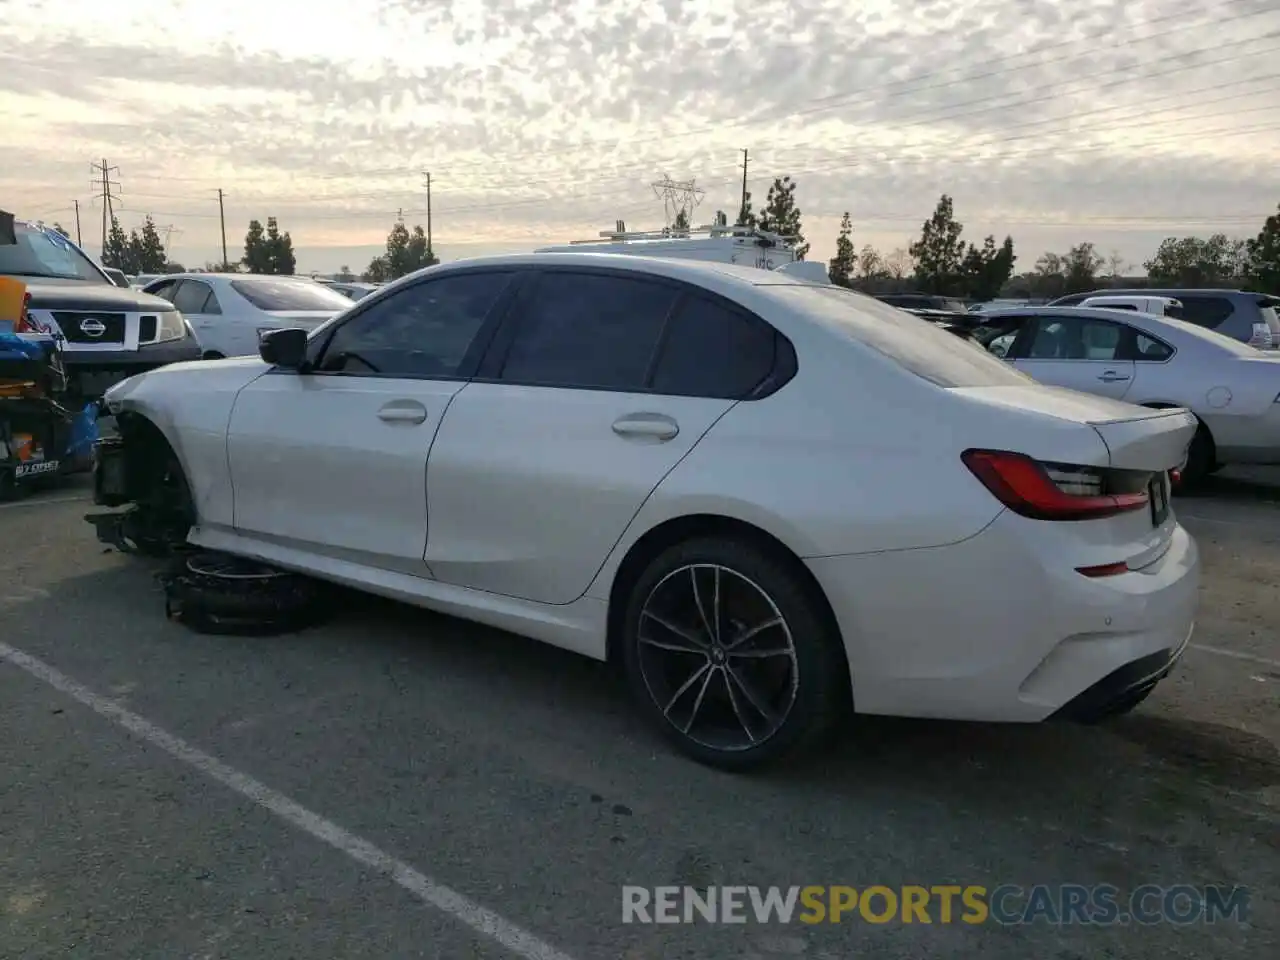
<point x="107" y="332"/>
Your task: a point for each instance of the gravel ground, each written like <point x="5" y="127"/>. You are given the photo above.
<point x="517" y="777"/>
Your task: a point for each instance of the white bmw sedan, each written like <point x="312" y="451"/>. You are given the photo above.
<point x="767" y="500"/>
<point x="229" y="312"/>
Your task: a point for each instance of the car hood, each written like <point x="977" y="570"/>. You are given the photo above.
<point x="52" y="293"/>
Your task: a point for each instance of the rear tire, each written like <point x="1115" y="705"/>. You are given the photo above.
<point x="1201" y="460"/>
<point x="729" y="654"/>
<point x="213" y="355"/>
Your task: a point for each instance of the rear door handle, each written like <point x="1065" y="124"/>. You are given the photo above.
<point x="403" y="411"/>
<point x="647" y="426"/>
<point x="1112" y="377"/>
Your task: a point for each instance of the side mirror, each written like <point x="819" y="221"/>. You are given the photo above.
<point x="284" y="348"/>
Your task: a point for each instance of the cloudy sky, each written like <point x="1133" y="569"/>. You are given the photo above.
<point x="547" y="120"/>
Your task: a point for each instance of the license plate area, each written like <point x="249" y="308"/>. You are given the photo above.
<point x="1158" y="491"/>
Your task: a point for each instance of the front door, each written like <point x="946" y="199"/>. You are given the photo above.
<point x="581" y="410"/>
<point x="1082" y="353"/>
<point x="334" y="460"/>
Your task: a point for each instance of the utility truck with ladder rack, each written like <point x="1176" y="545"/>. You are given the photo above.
<point x="716" y="243"/>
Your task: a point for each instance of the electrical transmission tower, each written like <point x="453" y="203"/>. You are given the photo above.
<point x="679" y="197"/>
<point x="103" y="183"/>
<point x="169" y="230"/>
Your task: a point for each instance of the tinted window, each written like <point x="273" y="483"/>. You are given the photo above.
<point x="918" y="346"/>
<point x="711" y="350"/>
<point x="1205" y="311"/>
<point x="1151" y="350"/>
<point x="421" y="331"/>
<point x="191" y="296"/>
<point x="45" y="253"/>
<point x="286" y="293"/>
<point x="1074" y="338"/>
<point x="588" y="330"/>
<point x="165" y="290"/>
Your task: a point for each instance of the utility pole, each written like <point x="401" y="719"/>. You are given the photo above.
<point x="222" y="219"/>
<point x="79" y="242"/>
<point x="104" y="183"/>
<point x="742" y="207"/>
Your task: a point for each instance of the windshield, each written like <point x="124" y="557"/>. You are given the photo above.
<point x="286" y="293"/>
<point x="916" y="345"/>
<point x="46" y="253"/>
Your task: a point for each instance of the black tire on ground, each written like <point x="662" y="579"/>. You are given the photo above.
<point x="1201" y="460"/>
<point x="803" y="692"/>
<point x="213" y="592"/>
<point x="212" y="355"/>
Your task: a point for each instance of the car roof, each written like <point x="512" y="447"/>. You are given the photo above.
<point x="695" y="271"/>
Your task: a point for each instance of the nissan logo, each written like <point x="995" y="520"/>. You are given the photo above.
<point x="92" y="328"/>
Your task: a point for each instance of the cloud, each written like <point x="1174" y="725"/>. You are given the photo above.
<point x="557" y="114"/>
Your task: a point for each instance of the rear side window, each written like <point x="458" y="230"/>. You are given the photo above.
<point x="1208" y="312"/>
<point x="916" y="345"/>
<point x="1151" y="350"/>
<point x="191" y="296"/>
<point x="712" y="350"/>
<point x="588" y="330"/>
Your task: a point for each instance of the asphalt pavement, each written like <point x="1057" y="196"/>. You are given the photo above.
<point x="399" y="784"/>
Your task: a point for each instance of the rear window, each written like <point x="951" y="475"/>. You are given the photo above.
<point x="916" y="345"/>
<point x="283" y="293"/>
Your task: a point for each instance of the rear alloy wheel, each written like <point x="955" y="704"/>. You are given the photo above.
<point x="728" y="653"/>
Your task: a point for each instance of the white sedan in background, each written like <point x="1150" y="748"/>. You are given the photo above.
<point x="1155" y="361"/>
<point x="768" y="501"/>
<point x="230" y="311"/>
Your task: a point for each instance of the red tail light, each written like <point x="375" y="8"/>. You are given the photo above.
<point x="24" y="321"/>
<point x="1027" y="487"/>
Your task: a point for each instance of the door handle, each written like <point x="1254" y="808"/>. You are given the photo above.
<point x="1112" y="377"/>
<point x="650" y="426"/>
<point x="403" y="411"/>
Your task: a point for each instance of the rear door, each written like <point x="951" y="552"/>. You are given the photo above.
<point x="1082" y="353"/>
<point x="599" y="383"/>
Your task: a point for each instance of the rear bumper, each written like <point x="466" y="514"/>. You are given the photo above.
<point x="1000" y="627"/>
<point x="1120" y="688"/>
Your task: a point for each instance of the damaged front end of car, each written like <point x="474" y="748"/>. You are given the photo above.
<point x="137" y="475"/>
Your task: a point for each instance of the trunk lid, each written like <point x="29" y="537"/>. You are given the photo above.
<point x="1136" y="438"/>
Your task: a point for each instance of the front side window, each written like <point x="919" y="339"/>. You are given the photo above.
<point x="588" y="330"/>
<point x="422" y="331"/>
<point x="1074" y="338"/>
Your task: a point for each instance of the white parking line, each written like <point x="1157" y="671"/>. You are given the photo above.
<point x="485" y="922"/>
<point x="39" y="503"/>
<point x="1235" y="655"/>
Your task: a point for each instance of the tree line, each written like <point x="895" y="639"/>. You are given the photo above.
<point x="941" y="262"/>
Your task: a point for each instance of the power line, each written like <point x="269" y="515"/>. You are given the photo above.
<point x="105" y="184"/>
